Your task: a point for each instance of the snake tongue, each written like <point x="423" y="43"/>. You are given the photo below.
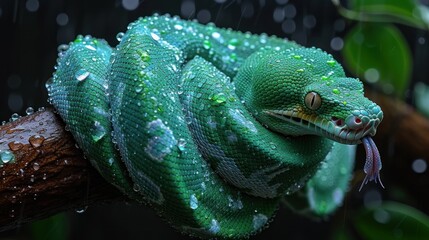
<point x="372" y="163"/>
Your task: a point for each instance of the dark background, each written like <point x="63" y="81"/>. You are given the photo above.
<point x="31" y="30"/>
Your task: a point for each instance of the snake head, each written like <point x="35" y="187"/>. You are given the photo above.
<point x="336" y="109"/>
<point x="305" y="92"/>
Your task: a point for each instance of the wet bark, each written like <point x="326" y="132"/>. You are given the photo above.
<point x="49" y="173"/>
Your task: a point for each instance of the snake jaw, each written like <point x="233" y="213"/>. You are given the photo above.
<point x="348" y="131"/>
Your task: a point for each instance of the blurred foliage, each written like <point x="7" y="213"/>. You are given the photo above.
<point x="377" y="52"/>
<point x="408" y="12"/>
<point x="375" y="49"/>
<point x="52" y="228"/>
<point x="392" y="220"/>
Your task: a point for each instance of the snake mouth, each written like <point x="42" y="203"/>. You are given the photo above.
<point x="336" y="129"/>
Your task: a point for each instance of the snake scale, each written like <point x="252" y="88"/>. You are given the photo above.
<point x="213" y="127"/>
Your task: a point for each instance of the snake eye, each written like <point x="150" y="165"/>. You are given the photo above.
<point x="312" y="100"/>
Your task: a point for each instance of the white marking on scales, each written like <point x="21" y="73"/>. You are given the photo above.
<point x="161" y="140"/>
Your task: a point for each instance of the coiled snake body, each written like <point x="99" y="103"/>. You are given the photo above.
<point x="213" y="127"/>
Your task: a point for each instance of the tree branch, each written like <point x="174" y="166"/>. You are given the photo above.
<point x="51" y="175"/>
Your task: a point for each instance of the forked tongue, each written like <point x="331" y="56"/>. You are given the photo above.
<point x="372" y="162"/>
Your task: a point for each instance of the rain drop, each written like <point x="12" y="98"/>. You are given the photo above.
<point x="119" y="36"/>
<point x="233" y="43"/>
<point x="36" y="166"/>
<point x="214" y="227"/>
<point x="62" y="48"/>
<point x="6" y="156"/>
<point x="15" y="146"/>
<point x="14" y="117"/>
<point x="331" y="63"/>
<point x="136" y="187"/>
<point x="29" y="111"/>
<point x="36" y="141"/>
<point x="111" y="161"/>
<point x="207" y="44"/>
<point x="218" y="98"/>
<point x="193" y="202"/>
<point x="144" y="56"/>
<point x="98" y="131"/>
<point x="90" y="47"/>
<point x="81" y="209"/>
<point x="259" y="220"/>
<point x="81" y="75"/>
<point x="181" y="144"/>
<point x="178" y="27"/>
<point x="139" y="89"/>
<point x="216" y="35"/>
<point x="155" y="36"/>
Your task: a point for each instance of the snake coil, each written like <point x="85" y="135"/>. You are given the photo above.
<point x="169" y="116"/>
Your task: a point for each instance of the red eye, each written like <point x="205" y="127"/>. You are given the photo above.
<point x="312" y="100"/>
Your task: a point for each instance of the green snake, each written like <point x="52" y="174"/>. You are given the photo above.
<point x="213" y="127"/>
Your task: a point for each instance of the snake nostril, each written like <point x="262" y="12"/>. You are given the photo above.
<point x="354" y="122"/>
<point x="339" y="122"/>
<point x="358" y="120"/>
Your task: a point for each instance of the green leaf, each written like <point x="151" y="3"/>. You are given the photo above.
<point x="379" y="53"/>
<point x="408" y="12"/>
<point x="392" y="221"/>
<point x="52" y="228"/>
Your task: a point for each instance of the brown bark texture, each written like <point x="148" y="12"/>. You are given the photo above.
<point x="50" y="174"/>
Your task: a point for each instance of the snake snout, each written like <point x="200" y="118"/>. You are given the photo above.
<point x="355" y="122"/>
<point x="365" y="121"/>
<point x="351" y="122"/>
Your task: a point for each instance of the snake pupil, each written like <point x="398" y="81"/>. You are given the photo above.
<point x="313" y="100"/>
